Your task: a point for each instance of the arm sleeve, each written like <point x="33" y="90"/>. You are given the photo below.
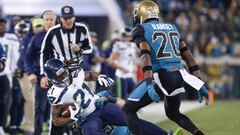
<point x="46" y="50"/>
<point x="92" y="55"/>
<point x="87" y="42"/>
<point x="138" y="35"/>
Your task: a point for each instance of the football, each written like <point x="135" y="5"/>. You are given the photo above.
<point x="66" y="111"/>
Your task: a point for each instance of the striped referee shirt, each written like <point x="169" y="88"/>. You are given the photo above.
<point x="56" y="43"/>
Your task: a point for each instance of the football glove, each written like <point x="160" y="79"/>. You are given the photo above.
<point x="105" y="93"/>
<point x="105" y="81"/>
<point x="100" y="102"/>
<point x="152" y="93"/>
<point x="74" y="113"/>
<point x="203" y="93"/>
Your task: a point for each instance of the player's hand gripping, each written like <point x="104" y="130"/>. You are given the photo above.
<point x="105" y="81"/>
<point x="104" y="97"/>
<point x="100" y="102"/>
<point x="152" y="93"/>
<point x="203" y="93"/>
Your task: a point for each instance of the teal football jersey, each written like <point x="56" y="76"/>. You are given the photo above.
<point x="163" y="39"/>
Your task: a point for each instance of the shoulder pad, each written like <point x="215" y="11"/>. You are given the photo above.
<point x="53" y="94"/>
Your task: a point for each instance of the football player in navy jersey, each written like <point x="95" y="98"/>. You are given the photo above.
<point x="91" y="111"/>
<point x="162" y="50"/>
<point x="124" y="130"/>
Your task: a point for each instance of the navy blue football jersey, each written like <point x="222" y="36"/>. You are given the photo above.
<point x="163" y="39"/>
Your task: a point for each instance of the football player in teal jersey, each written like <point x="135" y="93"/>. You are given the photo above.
<point x="162" y="50"/>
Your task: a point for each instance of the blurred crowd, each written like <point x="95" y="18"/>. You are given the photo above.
<point x="210" y="27"/>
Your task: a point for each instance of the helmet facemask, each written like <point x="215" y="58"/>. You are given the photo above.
<point x="136" y="19"/>
<point x="63" y="77"/>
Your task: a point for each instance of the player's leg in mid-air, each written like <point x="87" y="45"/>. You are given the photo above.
<point x="137" y="100"/>
<point x="172" y="105"/>
<point x="147" y="128"/>
<point x="165" y="81"/>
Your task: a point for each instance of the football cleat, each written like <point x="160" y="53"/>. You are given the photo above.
<point x="179" y="131"/>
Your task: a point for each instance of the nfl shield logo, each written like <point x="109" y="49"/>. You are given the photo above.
<point x="67" y="10"/>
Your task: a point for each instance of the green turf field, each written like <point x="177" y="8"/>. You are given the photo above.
<point x="220" y="118"/>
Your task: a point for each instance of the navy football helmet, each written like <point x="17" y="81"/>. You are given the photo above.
<point x="57" y="72"/>
<point x="127" y="31"/>
<point x="22" y="28"/>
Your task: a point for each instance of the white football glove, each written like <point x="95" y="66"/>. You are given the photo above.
<point x="74" y="113"/>
<point x="105" y="81"/>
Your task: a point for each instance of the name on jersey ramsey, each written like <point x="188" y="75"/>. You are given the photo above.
<point x="162" y="26"/>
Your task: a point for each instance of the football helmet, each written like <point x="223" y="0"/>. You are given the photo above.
<point x="127" y="31"/>
<point x="22" y="28"/>
<point x="145" y="10"/>
<point x="57" y="72"/>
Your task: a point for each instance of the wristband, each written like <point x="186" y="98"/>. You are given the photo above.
<point x="193" y="68"/>
<point x="146" y="68"/>
<point x="182" y="50"/>
<point x="144" y="52"/>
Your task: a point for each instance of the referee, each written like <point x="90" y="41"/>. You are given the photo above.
<point x="64" y="41"/>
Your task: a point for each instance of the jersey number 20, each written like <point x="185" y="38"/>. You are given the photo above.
<point x="165" y="39"/>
